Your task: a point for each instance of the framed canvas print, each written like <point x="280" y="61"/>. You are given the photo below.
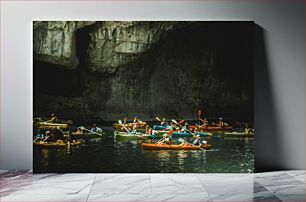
<point x="143" y="96"/>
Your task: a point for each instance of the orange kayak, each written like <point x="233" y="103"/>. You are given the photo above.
<point x="174" y="147"/>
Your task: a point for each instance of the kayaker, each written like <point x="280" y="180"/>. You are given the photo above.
<point x="136" y="120"/>
<point x="204" y="122"/>
<point x="79" y="131"/>
<point x="49" y="137"/>
<point x="185" y="143"/>
<point x="53" y="119"/>
<point x="164" y="122"/>
<point x="166" y="140"/>
<point x="185" y="128"/>
<point x="68" y="137"/>
<point x="148" y="130"/>
<point x="171" y="126"/>
<point x="197" y="141"/>
<point x="124" y="121"/>
<point x="96" y="129"/>
<point x="221" y="122"/>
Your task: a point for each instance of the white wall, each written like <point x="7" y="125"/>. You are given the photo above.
<point x="279" y="80"/>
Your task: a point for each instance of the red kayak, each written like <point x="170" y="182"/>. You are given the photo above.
<point x="212" y="128"/>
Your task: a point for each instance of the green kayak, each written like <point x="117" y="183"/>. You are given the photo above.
<point x="132" y="136"/>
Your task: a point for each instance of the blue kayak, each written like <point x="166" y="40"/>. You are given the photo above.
<point x="159" y="127"/>
<point x="186" y="134"/>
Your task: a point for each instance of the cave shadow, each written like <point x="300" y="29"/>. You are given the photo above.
<point x="268" y="151"/>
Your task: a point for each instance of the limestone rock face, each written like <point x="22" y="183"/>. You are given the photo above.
<point x="144" y="69"/>
<point x="111" y="44"/>
<point x="114" y="44"/>
<point x="54" y="41"/>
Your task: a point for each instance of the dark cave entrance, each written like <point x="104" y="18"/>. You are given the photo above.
<point x="82" y="39"/>
<point x="57" y="80"/>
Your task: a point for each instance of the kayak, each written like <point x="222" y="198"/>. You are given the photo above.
<point x="174" y="147"/>
<point x="47" y="125"/>
<point x="54" y="144"/>
<point x="131" y="136"/>
<point x="159" y="127"/>
<point x="212" y="128"/>
<point x="159" y="133"/>
<point x="238" y="134"/>
<point x="184" y="134"/>
<point x="118" y="126"/>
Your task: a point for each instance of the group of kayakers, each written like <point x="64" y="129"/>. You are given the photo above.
<point x="52" y="130"/>
<point x="165" y="126"/>
<point x="198" y="141"/>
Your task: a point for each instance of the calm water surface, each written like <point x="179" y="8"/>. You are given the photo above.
<point x="108" y="155"/>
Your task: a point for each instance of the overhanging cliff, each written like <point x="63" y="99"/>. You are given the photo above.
<point x="106" y="70"/>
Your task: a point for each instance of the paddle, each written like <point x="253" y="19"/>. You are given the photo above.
<point x="199" y="115"/>
<point x="120" y="122"/>
<point x="178" y="123"/>
<point x="174" y="121"/>
<point x="36" y="139"/>
<point x="168" y="134"/>
<point x="181" y="121"/>
<point x="83" y="128"/>
<point x="158" y="119"/>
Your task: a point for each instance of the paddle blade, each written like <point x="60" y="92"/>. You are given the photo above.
<point x="158" y="119"/>
<point x="170" y="132"/>
<point x="120" y="122"/>
<point x="182" y="121"/>
<point x="181" y="140"/>
<point x="174" y="121"/>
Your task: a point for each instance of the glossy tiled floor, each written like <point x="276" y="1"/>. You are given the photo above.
<point x="271" y="186"/>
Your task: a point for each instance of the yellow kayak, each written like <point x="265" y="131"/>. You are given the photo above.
<point x="47" y="125"/>
<point x="118" y="126"/>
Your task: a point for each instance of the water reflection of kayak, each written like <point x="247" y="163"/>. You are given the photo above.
<point x="85" y="135"/>
<point x="238" y="134"/>
<point x="173" y="147"/>
<point x="54" y="144"/>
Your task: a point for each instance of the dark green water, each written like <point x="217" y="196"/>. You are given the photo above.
<point x="107" y="155"/>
